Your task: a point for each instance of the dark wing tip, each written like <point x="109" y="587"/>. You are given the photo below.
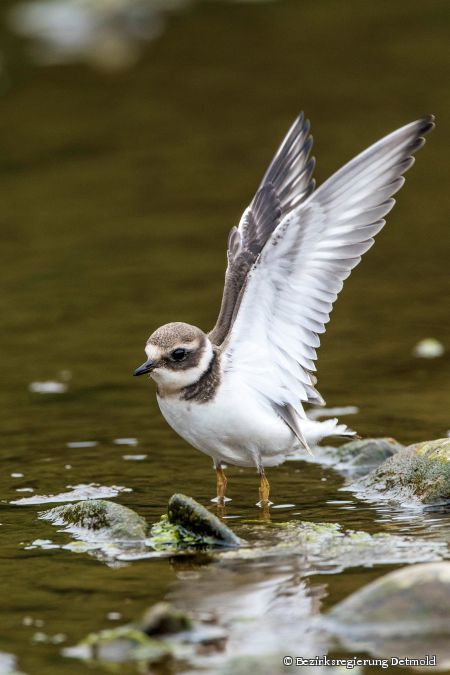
<point x="427" y="124"/>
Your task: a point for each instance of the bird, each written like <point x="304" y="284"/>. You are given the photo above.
<point x="237" y="393"/>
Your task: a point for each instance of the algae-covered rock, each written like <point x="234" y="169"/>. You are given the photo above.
<point x="163" y="632"/>
<point x="189" y="524"/>
<point x="99" y="519"/>
<point x="356" y="457"/>
<point x="405" y="614"/>
<point x="417" y="474"/>
<point x="119" y="645"/>
<point x="327" y="545"/>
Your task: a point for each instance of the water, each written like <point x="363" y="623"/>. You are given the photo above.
<point x="118" y="190"/>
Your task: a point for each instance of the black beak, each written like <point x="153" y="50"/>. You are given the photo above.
<point x="146" y="367"/>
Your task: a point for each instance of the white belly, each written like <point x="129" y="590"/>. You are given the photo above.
<point x="238" y="428"/>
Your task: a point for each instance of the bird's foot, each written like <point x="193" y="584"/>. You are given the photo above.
<point x="264" y="504"/>
<point x="221" y="500"/>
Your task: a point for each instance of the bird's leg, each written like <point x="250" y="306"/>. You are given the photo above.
<point x="264" y="490"/>
<point x="221" y="486"/>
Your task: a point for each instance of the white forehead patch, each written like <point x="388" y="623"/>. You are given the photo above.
<point x="153" y="352"/>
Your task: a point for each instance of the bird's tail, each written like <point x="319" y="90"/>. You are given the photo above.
<point x="316" y="431"/>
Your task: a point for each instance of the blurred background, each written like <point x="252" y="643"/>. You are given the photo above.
<point x="133" y="134"/>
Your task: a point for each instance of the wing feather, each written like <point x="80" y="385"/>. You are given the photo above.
<point x="286" y="184"/>
<point x="291" y="287"/>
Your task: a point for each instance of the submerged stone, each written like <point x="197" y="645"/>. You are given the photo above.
<point x="327" y="545"/>
<point x="189" y="524"/>
<point x="356" y="457"/>
<point x="417" y="474"/>
<point x="99" y="519"/>
<point x="163" y="632"/>
<point x="119" y="645"/>
<point x="405" y="613"/>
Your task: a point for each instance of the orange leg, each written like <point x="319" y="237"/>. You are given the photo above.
<point x="264" y="490"/>
<point x="221" y="486"/>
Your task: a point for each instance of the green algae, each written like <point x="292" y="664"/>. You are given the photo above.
<point x="325" y="545"/>
<point x="164" y="535"/>
<point x="191" y="517"/>
<point x="120" y="645"/>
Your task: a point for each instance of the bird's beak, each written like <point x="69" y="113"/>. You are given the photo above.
<point x="146" y="367"/>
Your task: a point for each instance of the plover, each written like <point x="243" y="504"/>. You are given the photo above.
<point x="238" y="392"/>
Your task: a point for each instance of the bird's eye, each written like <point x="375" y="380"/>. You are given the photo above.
<point x="178" y="354"/>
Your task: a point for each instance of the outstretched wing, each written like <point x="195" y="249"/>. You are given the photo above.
<point x="286" y="183"/>
<point x="291" y="288"/>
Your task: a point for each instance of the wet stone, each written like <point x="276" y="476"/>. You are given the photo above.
<point x="100" y="518"/>
<point x="190" y="524"/>
<point x="357" y="457"/>
<point x="328" y="545"/>
<point x="119" y="645"/>
<point x="418" y="474"/>
<point x="163" y="632"/>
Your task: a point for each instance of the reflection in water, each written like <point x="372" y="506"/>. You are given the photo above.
<point x="265" y="608"/>
<point x="108" y="34"/>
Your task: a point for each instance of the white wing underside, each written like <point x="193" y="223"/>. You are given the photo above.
<point x="291" y="288"/>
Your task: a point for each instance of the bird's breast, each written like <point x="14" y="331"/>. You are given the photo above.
<point x="229" y="426"/>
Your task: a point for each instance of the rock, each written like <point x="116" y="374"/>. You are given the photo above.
<point x="189" y="525"/>
<point x="163" y="618"/>
<point x="326" y="545"/>
<point x="99" y="519"/>
<point x="119" y="645"/>
<point x="418" y="474"/>
<point x="356" y="457"/>
<point x="163" y="632"/>
<point x="405" y="613"/>
<point x="363" y="455"/>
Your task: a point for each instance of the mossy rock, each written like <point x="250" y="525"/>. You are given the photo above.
<point x="419" y="473"/>
<point x="99" y="519"/>
<point x="327" y="545"/>
<point x="188" y="525"/>
<point x="120" y="645"/>
<point x="164" y="632"/>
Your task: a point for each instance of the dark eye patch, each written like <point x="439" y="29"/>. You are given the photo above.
<point x="178" y="354"/>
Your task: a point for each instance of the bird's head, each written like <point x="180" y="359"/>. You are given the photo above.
<point x="178" y="354"/>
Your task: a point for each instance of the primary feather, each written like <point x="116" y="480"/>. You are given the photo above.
<point x="285" y="184"/>
<point x="302" y="245"/>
